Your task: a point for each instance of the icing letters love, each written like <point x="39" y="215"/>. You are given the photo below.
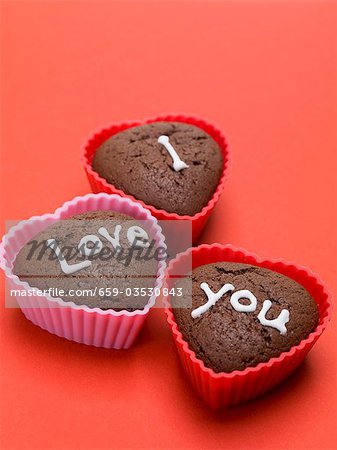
<point x="212" y="297"/>
<point x="135" y="235"/>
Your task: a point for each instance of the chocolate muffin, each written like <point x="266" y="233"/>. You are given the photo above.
<point x="170" y="165"/>
<point x="99" y="259"/>
<point x="237" y="315"/>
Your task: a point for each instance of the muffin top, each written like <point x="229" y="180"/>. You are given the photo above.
<point x="94" y="257"/>
<point x="235" y="315"/>
<point x="170" y="165"/>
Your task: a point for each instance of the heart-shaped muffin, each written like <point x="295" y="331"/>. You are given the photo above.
<point x="47" y="256"/>
<point x="241" y="315"/>
<point x="173" y="166"/>
<point x="158" y="173"/>
<point x="241" y="323"/>
<point x="96" y="255"/>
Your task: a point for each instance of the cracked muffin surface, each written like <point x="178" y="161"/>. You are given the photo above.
<point x="134" y="162"/>
<point x="111" y="273"/>
<point x="226" y="339"/>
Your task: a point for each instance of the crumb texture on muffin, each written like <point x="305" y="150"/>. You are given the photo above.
<point x="136" y="163"/>
<point x="226" y="339"/>
<point x="41" y="269"/>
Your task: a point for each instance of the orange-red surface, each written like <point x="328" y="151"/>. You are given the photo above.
<point x="265" y="73"/>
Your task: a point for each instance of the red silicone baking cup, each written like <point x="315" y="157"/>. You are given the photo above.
<point x="223" y="389"/>
<point x="91" y="326"/>
<point x="99" y="184"/>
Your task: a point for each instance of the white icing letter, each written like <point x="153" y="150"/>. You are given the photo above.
<point x="113" y="240"/>
<point x="85" y="250"/>
<point x="66" y="268"/>
<point x="278" y="323"/>
<point x="212" y="298"/>
<point x="239" y="306"/>
<point x="139" y="235"/>
<point x="178" y="164"/>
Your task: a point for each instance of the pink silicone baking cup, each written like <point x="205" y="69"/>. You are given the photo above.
<point x="91" y="326"/>
<point x="99" y="184"/>
<point x="223" y="389"/>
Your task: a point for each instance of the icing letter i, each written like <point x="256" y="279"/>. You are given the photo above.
<point x="178" y="164"/>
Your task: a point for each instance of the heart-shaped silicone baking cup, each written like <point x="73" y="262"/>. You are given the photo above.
<point x="224" y="389"/>
<point x="91" y="326"/>
<point x="99" y="184"/>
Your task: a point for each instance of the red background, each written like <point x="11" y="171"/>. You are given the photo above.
<point x="265" y="73"/>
